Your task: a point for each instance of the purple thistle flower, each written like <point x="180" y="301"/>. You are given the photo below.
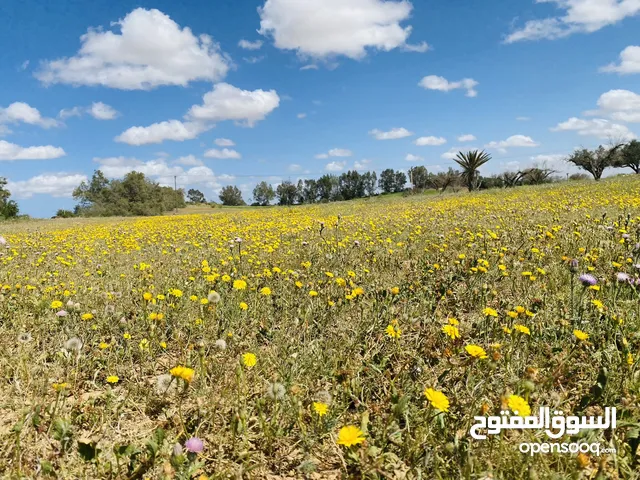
<point x="573" y="265"/>
<point x="194" y="445"/>
<point x="61" y="313"/>
<point x="622" y="277"/>
<point x="587" y="280"/>
<point x="626" y="236"/>
<point x="356" y="243"/>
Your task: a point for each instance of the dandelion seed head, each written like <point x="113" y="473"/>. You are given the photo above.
<point x="221" y="344"/>
<point x="74" y="344"/>
<point x="276" y="391"/>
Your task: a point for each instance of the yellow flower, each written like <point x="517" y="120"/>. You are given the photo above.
<point x="184" y="373"/>
<point x="239" y="284"/>
<point x="249" y="360"/>
<point x="393" y="332"/>
<point x="147" y="296"/>
<point x="519" y="406"/>
<point x="126" y="336"/>
<point x="112" y="379"/>
<point x="103" y="345"/>
<point x="395" y="291"/>
<point x="313" y="293"/>
<point x="512" y="314"/>
<point x="451" y="331"/>
<point x="144" y="344"/>
<point x="58" y="387"/>
<point x="453" y="321"/>
<point x="476" y="351"/>
<point x="243" y="306"/>
<point x="522" y="329"/>
<point x="490" y="312"/>
<point x="630" y="359"/>
<point x="341" y="282"/>
<point x="320" y="408"/>
<point x="265" y="291"/>
<point x="580" y="335"/>
<point x="87" y="316"/>
<point x="438" y="399"/>
<point x="350" y="435"/>
<point x="56" y="304"/>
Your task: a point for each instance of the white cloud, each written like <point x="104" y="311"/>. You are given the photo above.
<point x="159" y="132"/>
<point x="11" y="151"/>
<point x="294" y="167"/>
<point x="326" y="28"/>
<point x="434" y="82"/>
<point x="54" y="184"/>
<point x="222" y="154"/>
<point x="393" y="134"/>
<point x="226" y="102"/>
<point x="247" y="45"/>
<point x="523" y="119"/>
<point x="629" y="62"/>
<point x="117" y="167"/>
<point x="513" y="141"/>
<point x="361" y="164"/>
<point x="451" y="153"/>
<point x="430" y="141"/>
<point x="580" y="16"/>
<point x="254" y="60"/>
<point x="322" y="156"/>
<point x="102" y="111"/>
<point x="20" y="112"/>
<point x="335" y="166"/>
<point x="24" y="65"/>
<point x="70" y="112"/>
<point x="413" y="158"/>
<point x="619" y="105"/>
<point x="301" y="115"/>
<point x="419" y="48"/>
<point x="189" y="161"/>
<point x="224" y="142"/>
<point x="309" y="67"/>
<point x="597" y="127"/>
<point x="466" y="138"/>
<point x="149" y="51"/>
<point x="340" y="152"/>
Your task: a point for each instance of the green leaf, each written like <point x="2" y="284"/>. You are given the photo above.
<point x="87" y="451"/>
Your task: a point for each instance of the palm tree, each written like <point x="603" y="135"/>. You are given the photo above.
<point x="470" y="162"/>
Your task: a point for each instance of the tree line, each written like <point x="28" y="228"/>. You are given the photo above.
<point x="137" y="195"/>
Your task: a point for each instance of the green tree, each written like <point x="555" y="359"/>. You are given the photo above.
<point x="196" y="196"/>
<point x="470" y="162"/>
<point x="629" y="157"/>
<point x="350" y="185"/>
<point x="387" y="180"/>
<point x="231" y="196"/>
<point x="370" y="183"/>
<point x="286" y="193"/>
<point x="263" y="193"/>
<point x="327" y="186"/>
<point x="595" y="161"/>
<point x="419" y="177"/>
<point x="399" y="181"/>
<point x="8" y="208"/>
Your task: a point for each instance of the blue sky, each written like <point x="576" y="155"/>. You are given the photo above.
<point x="235" y="92"/>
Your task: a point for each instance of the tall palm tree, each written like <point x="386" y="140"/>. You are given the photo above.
<point x="470" y="162"/>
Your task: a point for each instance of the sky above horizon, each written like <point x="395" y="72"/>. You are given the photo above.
<point x="226" y="92"/>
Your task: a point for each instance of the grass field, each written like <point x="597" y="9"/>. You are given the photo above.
<point x="241" y="343"/>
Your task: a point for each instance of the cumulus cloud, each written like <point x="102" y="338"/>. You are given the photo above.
<point x="434" y="82"/>
<point x="150" y="50"/>
<point x="451" y="153"/>
<point x="619" y="105"/>
<point x="413" y="158"/>
<point x="301" y="115"/>
<point x="309" y="67"/>
<point x="11" y="151"/>
<point x="326" y="28"/>
<point x="222" y="154"/>
<point x="102" y="111"/>
<point x="517" y="141"/>
<point x="226" y="102"/>
<point x="466" y="138"/>
<point x="224" y="142"/>
<point x="430" y="141"/>
<point x="20" y="112"/>
<point x="335" y="152"/>
<point x="597" y="127"/>
<point x="335" y="166"/>
<point x="419" y="47"/>
<point x="629" y="62"/>
<point x="294" y="167"/>
<point x="159" y="132"/>
<point x="248" y="45"/>
<point x="54" y="184"/>
<point x="393" y="134"/>
<point x="585" y="16"/>
<point x="117" y="167"/>
<point x="361" y="164"/>
<point x="98" y="110"/>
